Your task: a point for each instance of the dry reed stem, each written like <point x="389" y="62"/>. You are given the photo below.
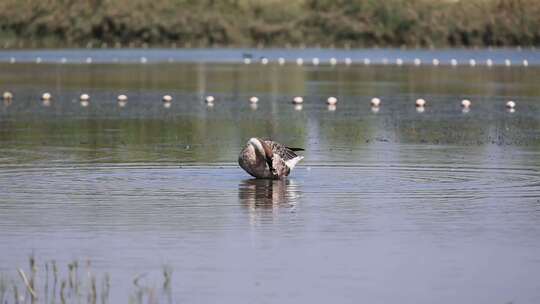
<point x="27" y="283"/>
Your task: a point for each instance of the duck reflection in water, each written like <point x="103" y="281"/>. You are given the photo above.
<point x="264" y="194"/>
<point x="7" y="102"/>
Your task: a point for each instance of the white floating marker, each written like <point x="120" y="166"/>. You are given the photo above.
<point x="144" y="60"/>
<point x="420" y="102"/>
<point x="399" y="61"/>
<point x="348" y="61"/>
<point x="375" y="102"/>
<point x="12" y="60"/>
<point x="299" y="61"/>
<point x="453" y="62"/>
<point x="247" y="60"/>
<point x="298" y="100"/>
<point x="38" y="60"/>
<point x="385" y="61"/>
<point x="264" y="61"/>
<point x="465" y="103"/>
<point x="367" y="61"/>
<point x="167" y="98"/>
<point x="89" y="60"/>
<point x="46" y="99"/>
<point x="7" y="96"/>
<point x="510" y="104"/>
<point x="417" y="61"/>
<point x="253" y="99"/>
<point x="281" y="61"/>
<point x="332" y="100"/>
<point x="84" y="97"/>
<point x="315" y="61"/>
<point x="436" y="62"/>
<point x="333" y="61"/>
<point x="525" y="63"/>
<point x="210" y="99"/>
<point x="507" y="62"/>
<point x="489" y="63"/>
<point x="63" y="60"/>
<point x="122" y="100"/>
<point x="46" y="96"/>
<point x="472" y="62"/>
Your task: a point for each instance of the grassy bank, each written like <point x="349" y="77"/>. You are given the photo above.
<point x="278" y="23"/>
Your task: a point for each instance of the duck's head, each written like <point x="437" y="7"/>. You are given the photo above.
<point x="261" y="149"/>
<point x="257" y="145"/>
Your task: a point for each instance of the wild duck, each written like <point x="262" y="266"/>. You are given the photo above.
<point x="268" y="159"/>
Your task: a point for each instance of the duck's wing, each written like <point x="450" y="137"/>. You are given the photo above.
<point x="284" y="152"/>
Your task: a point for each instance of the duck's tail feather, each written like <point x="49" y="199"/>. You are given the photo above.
<point x="295" y="149"/>
<point x="291" y="163"/>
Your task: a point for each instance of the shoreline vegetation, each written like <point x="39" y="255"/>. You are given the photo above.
<point x="76" y="283"/>
<point x="269" y="23"/>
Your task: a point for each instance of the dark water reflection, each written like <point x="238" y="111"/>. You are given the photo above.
<point x="391" y="205"/>
<point x="268" y="194"/>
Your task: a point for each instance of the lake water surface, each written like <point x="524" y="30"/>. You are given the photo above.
<point x="390" y="205"/>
